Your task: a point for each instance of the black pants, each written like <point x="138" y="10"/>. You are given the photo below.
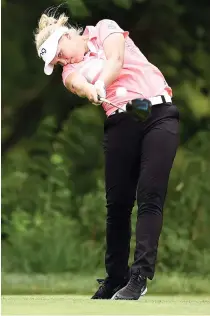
<point x="138" y="160"/>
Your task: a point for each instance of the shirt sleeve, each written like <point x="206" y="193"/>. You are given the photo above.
<point x="107" y="27"/>
<point x="67" y="70"/>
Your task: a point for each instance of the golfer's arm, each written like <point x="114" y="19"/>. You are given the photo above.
<point x="77" y="84"/>
<point x="114" y="48"/>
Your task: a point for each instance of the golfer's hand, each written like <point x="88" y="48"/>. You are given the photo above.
<point x="100" y="88"/>
<point x="91" y="94"/>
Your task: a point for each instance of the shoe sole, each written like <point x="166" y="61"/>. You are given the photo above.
<point x="142" y="294"/>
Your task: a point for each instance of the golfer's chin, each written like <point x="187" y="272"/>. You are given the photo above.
<point x="77" y="59"/>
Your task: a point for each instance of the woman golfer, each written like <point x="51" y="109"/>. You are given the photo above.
<point x="138" y="153"/>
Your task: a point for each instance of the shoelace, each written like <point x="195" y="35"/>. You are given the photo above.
<point x="102" y="283"/>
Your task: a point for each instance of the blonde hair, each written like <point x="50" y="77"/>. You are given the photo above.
<point x="48" y="24"/>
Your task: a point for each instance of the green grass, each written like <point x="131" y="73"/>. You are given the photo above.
<point x="82" y="305"/>
<point x="51" y="284"/>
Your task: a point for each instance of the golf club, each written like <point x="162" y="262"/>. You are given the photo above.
<point x="139" y="107"/>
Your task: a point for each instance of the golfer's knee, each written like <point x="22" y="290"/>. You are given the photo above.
<point x="151" y="202"/>
<point x="119" y="208"/>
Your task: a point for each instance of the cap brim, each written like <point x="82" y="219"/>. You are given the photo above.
<point x="48" y="69"/>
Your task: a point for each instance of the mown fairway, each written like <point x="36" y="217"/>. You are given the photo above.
<point x="82" y="305"/>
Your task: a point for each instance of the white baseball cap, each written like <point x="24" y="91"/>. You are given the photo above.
<point x="48" y="49"/>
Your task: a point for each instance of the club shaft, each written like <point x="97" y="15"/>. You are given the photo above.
<point x="107" y="101"/>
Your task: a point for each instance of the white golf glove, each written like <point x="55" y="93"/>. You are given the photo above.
<point x="100" y="88"/>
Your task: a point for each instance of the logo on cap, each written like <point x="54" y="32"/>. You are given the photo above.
<point x="111" y="25"/>
<point x="43" y="51"/>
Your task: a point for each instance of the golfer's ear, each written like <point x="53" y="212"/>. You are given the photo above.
<point x="68" y="35"/>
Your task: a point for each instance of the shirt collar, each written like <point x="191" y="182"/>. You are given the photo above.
<point x="92" y="33"/>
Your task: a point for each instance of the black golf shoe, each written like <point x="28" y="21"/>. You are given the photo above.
<point x="136" y="287"/>
<point x="108" y="287"/>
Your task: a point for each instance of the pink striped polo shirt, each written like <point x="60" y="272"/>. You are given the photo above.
<point x="138" y="75"/>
